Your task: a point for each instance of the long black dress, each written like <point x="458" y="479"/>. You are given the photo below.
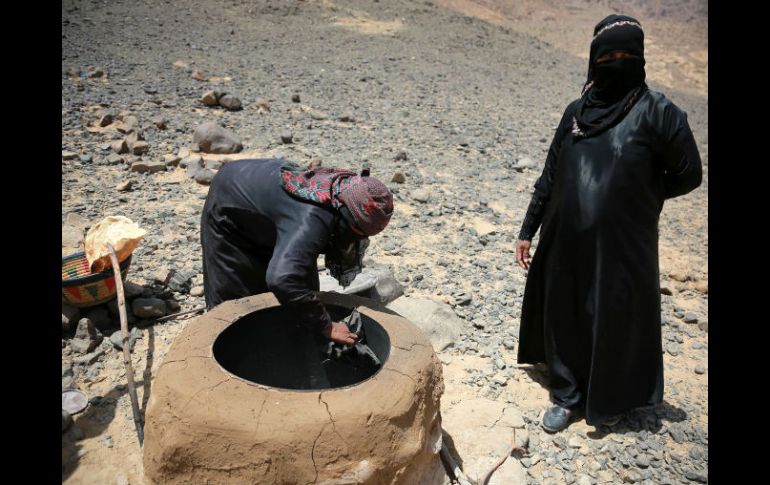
<point x="257" y="238"/>
<point x="591" y="306"/>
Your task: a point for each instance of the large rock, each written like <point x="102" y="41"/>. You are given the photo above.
<point x="481" y="431"/>
<point x="212" y="138"/>
<point x="181" y="281"/>
<point x="210" y="98"/>
<point x="87" y="337"/>
<point x="387" y="288"/>
<point x="142" y="166"/>
<point x="117" y="338"/>
<point x="437" y="320"/>
<point x="230" y="102"/>
<point x="149" y="307"/>
<point x="375" y="282"/>
<point x="204" y="176"/>
<point x="421" y="195"/>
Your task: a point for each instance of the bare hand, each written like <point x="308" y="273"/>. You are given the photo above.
<point x="522" y="254"/>
<point x="339" y="333"/>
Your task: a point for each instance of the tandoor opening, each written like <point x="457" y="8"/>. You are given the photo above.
<point x="270" y="347"/>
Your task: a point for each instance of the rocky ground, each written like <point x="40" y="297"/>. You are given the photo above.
<point x="453" y="112"/>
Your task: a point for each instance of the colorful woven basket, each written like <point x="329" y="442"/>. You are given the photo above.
<point x="81" y="288"/>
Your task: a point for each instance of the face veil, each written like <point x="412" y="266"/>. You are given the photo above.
<point x="614" y="85"/>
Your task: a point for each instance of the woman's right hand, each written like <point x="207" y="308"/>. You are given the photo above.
<point x="522" y="254"/>
<point x="340" y="333"/>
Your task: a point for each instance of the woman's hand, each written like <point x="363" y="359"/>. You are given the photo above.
<point x="522" y="254"/>
<point x="339" y="333"/>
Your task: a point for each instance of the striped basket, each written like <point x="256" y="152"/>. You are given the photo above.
<point x="81" y="288"/>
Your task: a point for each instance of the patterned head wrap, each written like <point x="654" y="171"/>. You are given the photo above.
<point x="369" y="201"/>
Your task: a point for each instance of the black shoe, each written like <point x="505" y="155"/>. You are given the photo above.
<point x="556" y="419"/>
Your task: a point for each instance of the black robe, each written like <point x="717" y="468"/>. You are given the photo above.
<point x="591" y="306"/>
<point x="257" y="238"/>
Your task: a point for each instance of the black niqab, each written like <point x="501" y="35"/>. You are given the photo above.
<point x="613" y="86"/>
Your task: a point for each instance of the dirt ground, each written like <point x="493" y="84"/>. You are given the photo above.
<point x="103" y="447"/>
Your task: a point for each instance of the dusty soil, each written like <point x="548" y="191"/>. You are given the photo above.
<point x="466" y="89"/>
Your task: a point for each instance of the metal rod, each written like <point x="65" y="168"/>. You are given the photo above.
<point x="174" y="315"/>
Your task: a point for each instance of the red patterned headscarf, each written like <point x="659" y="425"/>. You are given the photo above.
<point x="368" y="200"/>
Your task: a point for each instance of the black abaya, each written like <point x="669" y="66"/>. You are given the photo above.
<point x="591" y="307"/>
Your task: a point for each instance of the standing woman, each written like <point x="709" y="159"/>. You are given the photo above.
<point x="591" y="307"/>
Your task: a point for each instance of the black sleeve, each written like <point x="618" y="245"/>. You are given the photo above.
<point x="681" y="160"/>
<point x="542" y="192"/>
<point x="293" y="271"/>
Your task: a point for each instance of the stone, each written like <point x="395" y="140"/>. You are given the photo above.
<point x="212" y="138"/>
<point x="180" y="65"/>
<point x="160" y="122"/>
<point x="172" y="306"/>
<point x="106" y="120"/>
<point x="584" y="480"/>
<point x="672" y="348"/>
<point x="436" y="320"/>
<point x="286" y="137"/>
<point x="210" y="98"/>
<point x="124" y="186"/>
<point x="398" y="178"/>
<point x="702" y="286"/>
<point x="199" y="75"/>
<point x="522" y="439"/>
<point x="195" y="161"/>
<point x="700" y="369"/>
<point x="213" y="164"/>
<point x="114" y="159"/>
<point x="230" y="102"/>
<point x="525" y="163"/>
<point x="690" y="317"/>
<point x="117" y="338"/>
<point x="262" y="105"/>
<point x="400" y="156"/>
<point x="295" y="98"/>
<point x="421" y="195"/>
<point x="132" y="290"/>
<point x="348" y="118"/>
<point x="696" y="476"/>
<point x="67" y="155"/>
<point x="142" y="166"/>
<point x="120" y="146"/>
<point x="87" y="337"/>
<point x="204" y="176"/>
<point x="171" y="160"/>
<point x="181" y="281"/>
<point x="196" y="291"/>
<point x="678" y="276"/>
<point x="148" y="307"/>
<point x="140" y="148"/>
<point x="704" y="326"/>
<point x="665" y="290"/>
<point x="162" y="276"/>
